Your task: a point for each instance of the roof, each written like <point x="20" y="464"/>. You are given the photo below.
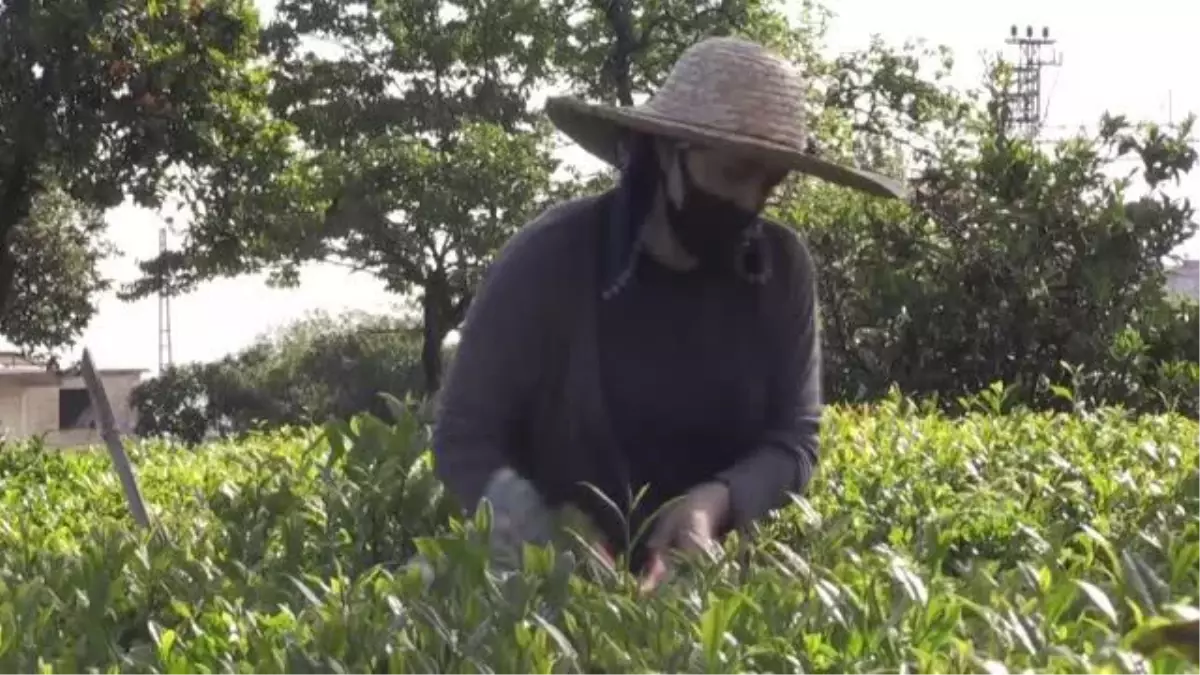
<point x="15" y="366"/>
<point x="14" y="359"/>
<point x="29" y="376"/>
<point x="1185" y="279"/>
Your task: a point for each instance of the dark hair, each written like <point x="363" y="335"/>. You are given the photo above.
<point x="639" y="178"/>
<point x="634" y="197"/>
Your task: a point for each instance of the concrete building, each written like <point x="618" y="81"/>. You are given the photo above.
<point x="1185" y="279"/>
<point x="37" y="401"/>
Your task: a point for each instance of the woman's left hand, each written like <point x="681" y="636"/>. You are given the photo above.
<point x="691" y="525"/>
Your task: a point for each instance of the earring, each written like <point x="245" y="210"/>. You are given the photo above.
<point x="752" y="262"/>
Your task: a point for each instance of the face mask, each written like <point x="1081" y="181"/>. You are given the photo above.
<point x="709" y="227"/>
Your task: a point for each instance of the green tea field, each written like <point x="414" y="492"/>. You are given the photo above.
<point x="989" y="543"/>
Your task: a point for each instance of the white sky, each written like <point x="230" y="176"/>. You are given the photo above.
<point x="1116" y="56"/>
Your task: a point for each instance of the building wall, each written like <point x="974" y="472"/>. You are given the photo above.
<point x="40" y="410"/>
<point x="1185" y="279"/>
<point x="10" y="411"/>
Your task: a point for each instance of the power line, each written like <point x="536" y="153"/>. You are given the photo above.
<point x="165" y="355"/>
<point x="1026" y="111"/>
<point x="1025" y="104"/>
<point x="1083" y="130"/>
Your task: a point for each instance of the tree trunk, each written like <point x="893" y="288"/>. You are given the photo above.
<point x="18" y="186"/>
<point x="16" y="202"/>
<point x="431" y="343"/>
<point x="620" y="18"/>
<point x="442" y="311"/>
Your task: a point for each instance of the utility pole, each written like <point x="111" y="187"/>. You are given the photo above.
<point x="1171" y="123"/>
<point x="1025" y="104"/>
<point x="165" y="356"/>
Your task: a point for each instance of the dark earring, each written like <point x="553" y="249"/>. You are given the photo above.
<point x="752" y="261"/>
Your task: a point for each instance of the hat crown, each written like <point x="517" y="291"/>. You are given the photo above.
<point x="735" y="86"/>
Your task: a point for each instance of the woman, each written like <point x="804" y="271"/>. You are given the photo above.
<point x="661" y="335"/>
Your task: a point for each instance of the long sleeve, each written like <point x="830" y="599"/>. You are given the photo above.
<point x="491" y="380"/>
<point x="787" y="455"/>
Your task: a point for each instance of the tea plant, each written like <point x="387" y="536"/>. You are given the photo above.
<point x="987" y="543"/>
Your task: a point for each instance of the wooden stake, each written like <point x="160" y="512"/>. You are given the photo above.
<point x="108" y="431"/>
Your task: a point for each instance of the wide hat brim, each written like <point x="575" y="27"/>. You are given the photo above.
<point x="600" y="129"/>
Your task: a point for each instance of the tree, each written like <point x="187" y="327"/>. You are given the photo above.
<point x="421" y="157"/>
<point x="617" y="50"/>
<point x="173" y="404"/>
<point x="314" y="370"/>
<point x="421" y="153"/>
<point x="1013" y="260"/>
<point x="107" y="99"/>
<point x="56" y="276"/>
<point x="935" y="298"/>
<point x="458" y="206"/>
<point x="872" y="107"/>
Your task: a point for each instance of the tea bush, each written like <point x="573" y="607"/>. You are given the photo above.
<point x="1024" y="542"/>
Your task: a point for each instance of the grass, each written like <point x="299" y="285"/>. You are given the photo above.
<point x="988" y="543"/>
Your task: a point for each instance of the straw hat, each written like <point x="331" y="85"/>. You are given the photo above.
<point x="723" y="93"/>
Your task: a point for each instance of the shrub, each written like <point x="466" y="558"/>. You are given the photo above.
<point x="1016" y="259"/>
<point x="1036" y="542"/>
<point x="314" y="370"/>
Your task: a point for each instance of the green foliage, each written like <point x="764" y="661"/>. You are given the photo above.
<point x="174" y="404"/>
<point x="1015" y="261"/>
<point x="1151" y="364"/>
<point x="57" y="279"/>
<point x="417" y="155"/>
<point x="420" y="154"/>
<point x="316" y="369"/>
<point x="109" y="100"/>
<point x="617" y="52"/>
<point x="1029" y="542"/>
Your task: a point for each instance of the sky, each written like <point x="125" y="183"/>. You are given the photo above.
<point x="1115" y="56"/>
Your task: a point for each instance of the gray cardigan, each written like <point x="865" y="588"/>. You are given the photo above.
<point x="523" y="390"/>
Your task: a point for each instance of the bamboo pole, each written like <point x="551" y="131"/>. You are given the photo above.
<point x="108" y="431"/>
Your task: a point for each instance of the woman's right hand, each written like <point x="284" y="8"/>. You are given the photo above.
<point x="519" y="516"/>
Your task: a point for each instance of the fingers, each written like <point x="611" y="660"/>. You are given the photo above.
<point x="696" y="536"/>
<point x="601" y="553"/>
<point x="660" y="565"/>
<point x="665" y="530"/>
<point x="606" y="552"/>
<point x="689" y="531"/>
<point x="659" y="543"/>
<point x="656" y="572"/>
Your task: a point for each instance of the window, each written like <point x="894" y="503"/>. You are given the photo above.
<point x="75" y="409"/>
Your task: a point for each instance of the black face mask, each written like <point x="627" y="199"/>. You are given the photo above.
<point x="709" y="227"/>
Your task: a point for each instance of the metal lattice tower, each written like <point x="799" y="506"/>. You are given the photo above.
<point x="165" y="356"/>
<point x="1025" y="104"/>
